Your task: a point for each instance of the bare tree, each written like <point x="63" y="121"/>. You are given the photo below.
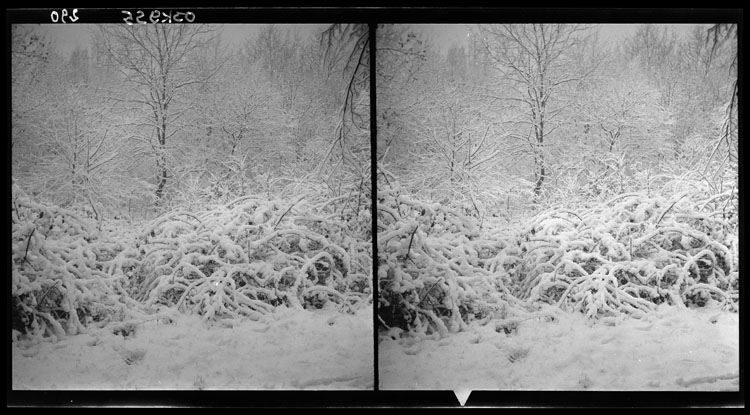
<point x="157" y="60"/>
<point x="82" y="157"/>
<point x="401" y="59"/>
<point x="456" y="145"/>
<point x="347" y="47"/>
<point x="532" y="58"/>
<point x="718" y="36"/>
<point x="33" y="66"/>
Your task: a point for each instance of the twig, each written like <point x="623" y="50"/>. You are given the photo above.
<point x="47" y="292"/>
<point x="383" y="322"/>
<point x="359" y="195"/>
<point x="346" y="204"/>
<point x="185" y="214"/>
<point x="239" y="199"/>
<point x="287" y="211"/>
<point x="408" y="251"/>
<point x="18" y="215"/>
<point x="631" y="247"/>
<point x="424" y="296"/>
<point x="669" y="208"/>
<point x="28" y="243"/>
<point x="724" y="209"/>
<point x="384" y="174"/>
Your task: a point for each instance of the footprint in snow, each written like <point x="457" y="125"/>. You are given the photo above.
<point x="413" y="350"/>
<point x="132" y="357"/>
<point x="517" y="354"/>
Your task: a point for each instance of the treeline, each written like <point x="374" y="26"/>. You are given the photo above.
<point x="150" y="117"/>
<point x="526" y="116"/>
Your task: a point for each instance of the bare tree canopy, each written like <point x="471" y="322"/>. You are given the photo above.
<point x="159" y="61"/>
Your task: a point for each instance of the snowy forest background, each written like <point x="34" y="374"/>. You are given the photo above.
<point x="526" y="116"/>
<point x="539" y="186"/>
<point x="149" y="118"/>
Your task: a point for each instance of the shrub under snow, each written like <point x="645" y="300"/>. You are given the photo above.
<point x="628" y="254"/>
<point x="437" y="271"/>
<point x="241" y="259"/>
<point x="64" y="271"/>
<point x="251" y="255"/>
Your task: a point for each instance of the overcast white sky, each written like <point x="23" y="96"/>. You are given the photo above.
<point x="445" y="35"/>
<point x="67" y="37"/>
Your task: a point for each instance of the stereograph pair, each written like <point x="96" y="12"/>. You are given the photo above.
<point x="502" y="207"/>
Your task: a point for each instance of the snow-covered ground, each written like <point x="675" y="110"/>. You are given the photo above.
<point x="322" y="349"/>
<point x="672" y="350"/>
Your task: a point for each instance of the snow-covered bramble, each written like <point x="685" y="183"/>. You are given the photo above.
<point x="437" y="272"/>
<point x="251" y="255"/>
<point x="240" y="259"/>
<point x="65" y="273"/>
<point x="628" y="254"/>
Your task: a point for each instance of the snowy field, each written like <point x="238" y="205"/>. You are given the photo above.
<point x="672" y="350"/>
<point x="310" y="350"/>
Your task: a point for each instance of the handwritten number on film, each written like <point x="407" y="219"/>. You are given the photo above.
<point x="55" y="16"/>
<point x="157" y="16"/>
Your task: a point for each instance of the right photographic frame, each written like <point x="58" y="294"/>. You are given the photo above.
<point x="557" y="207"/>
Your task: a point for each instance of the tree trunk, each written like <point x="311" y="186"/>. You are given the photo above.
<point x="540" y="176"/>
<point x="539" y="158"/>
<point x="161" y="177"/>
<point x="161" y="161"/>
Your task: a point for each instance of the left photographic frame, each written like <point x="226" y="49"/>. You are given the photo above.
<point x="191" y="203"/>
